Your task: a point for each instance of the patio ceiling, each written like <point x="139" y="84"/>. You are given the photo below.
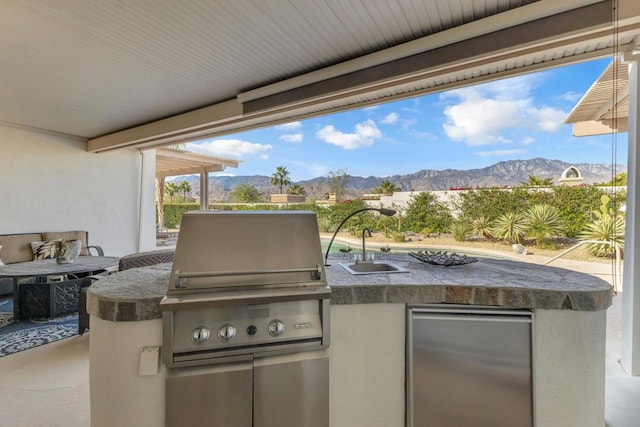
<point x="605" y="106"/>
<point x="139" y="74"/>
<point x="174" y="161"/>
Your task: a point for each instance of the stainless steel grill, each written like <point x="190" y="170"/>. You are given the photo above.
<point x="246" y="289"/>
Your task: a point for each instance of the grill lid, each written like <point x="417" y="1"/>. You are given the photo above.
<point x="222" y="250"/>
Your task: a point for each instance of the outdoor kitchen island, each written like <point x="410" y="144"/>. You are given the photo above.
<point x="368" y="317"/>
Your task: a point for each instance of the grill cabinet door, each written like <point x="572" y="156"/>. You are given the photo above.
<point x="291" y="391"/>
<point x="215" y="395"/>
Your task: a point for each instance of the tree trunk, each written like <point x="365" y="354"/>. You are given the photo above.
<point x="160" y="201"/>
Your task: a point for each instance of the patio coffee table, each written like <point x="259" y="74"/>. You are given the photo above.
<point x="51" y="298"/>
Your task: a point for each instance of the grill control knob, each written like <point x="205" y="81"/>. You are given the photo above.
<point x="275" y="328"/>
<point x="226" y="332"/>
<point x="200" y="334"/>
<point x="251" y="330"/>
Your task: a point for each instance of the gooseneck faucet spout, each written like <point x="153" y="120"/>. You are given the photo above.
<point x="365" y="231"/>
<point x="383" y="211"/>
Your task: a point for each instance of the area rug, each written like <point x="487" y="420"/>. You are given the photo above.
<point x="31" y="333"/>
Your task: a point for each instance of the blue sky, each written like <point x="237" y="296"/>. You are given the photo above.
<point x="467" y="128"/>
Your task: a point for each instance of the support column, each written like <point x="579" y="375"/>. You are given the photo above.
<point x="204" y="190"/>
<point x="147" y="201"/>
<point x="630" y="348"/>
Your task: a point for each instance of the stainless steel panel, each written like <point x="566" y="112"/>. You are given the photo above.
<point x="470" y="369"/>
<point x="291" y="391"/>
<point x="213" y="396"/>
<point x="234" y="243"/>
<point x="302" y="320"/>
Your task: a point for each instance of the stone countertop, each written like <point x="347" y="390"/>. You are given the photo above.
<point x="135" y="294"/>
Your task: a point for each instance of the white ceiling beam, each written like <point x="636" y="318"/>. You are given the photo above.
<point x="166" y="128"/>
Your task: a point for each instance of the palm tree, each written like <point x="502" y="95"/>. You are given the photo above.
<point x="280" y="177"/>
<point x="297" y="189"/>
<point x="387" y="188"/>
<point x="171" y="189"/>
<point x="543" y="222"/>
<point x="185" y="188"/>
<point x="537" y="181"/>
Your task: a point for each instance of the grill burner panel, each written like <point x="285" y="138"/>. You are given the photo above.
<point x="300" y="319"/>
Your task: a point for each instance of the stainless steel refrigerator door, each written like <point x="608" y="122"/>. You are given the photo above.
<point x="470" y="369"/>
<point x="215" y="395"/>
<point x="292" y="391"/>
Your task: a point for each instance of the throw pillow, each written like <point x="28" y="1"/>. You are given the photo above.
<point x="44" y="250"/>
<point x="1" y="263"/>
<point x="75" y="246"/>
<point x="68" y="251"/>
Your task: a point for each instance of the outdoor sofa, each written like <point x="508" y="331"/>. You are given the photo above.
<point x="16" y="248"/>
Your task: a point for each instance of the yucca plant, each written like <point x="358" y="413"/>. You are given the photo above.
<point x="543" y="222"/>
<point x="509" y="227"/>
<point x="460" y="230"/>
<point x="606" y="229"/>
<point x="481" y="226"/>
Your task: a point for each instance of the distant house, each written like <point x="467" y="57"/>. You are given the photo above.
<point x="571" y="177"/>
<point x="287" y="198"/>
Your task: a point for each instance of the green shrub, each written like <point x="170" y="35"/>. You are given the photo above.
<point x="460" y="229"/>
<point x="399" y="237"/>
<point x="481" y="226"/>
<point x="607" y="229"/>
<point x="543" y="222"/>
<point x="173" y="213"/>
<point x="510" y="227"/>
<point x="424" y="211"/>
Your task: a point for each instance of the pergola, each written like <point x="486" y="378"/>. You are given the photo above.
<point x="171" y="161"/>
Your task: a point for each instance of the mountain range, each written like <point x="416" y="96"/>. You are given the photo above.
<point x="506" y="173"/>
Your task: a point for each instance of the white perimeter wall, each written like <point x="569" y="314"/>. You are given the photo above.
<point x="51" y="183"/>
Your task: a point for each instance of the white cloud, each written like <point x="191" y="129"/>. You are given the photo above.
<point x="264" y="156"/>
<point x="480" y="115"/>
<point x="528" y="141"/>
<point x="371" y="108"/>
<point x="495" y="153"/>
<point x="229" y="147"/>
<point x="289" y="126"/>
<point x="390" y="118"/>
<point x="296" y="137"/>
<point x="548" y="119"/>
<point x="364" y="135"/>
<point x="570" y="96"/>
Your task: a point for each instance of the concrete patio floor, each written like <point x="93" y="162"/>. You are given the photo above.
<point x="49" y="385"/>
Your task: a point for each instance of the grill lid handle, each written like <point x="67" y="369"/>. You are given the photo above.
<point x="180" y="278"/>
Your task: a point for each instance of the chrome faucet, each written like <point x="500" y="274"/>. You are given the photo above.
<point x="365" y="231"/>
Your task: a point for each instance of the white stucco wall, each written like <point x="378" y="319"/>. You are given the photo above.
<point x="367" y="356"/>
<point x="51" y="183"/>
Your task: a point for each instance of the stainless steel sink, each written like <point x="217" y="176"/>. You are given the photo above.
<point x="377" y="267"/>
